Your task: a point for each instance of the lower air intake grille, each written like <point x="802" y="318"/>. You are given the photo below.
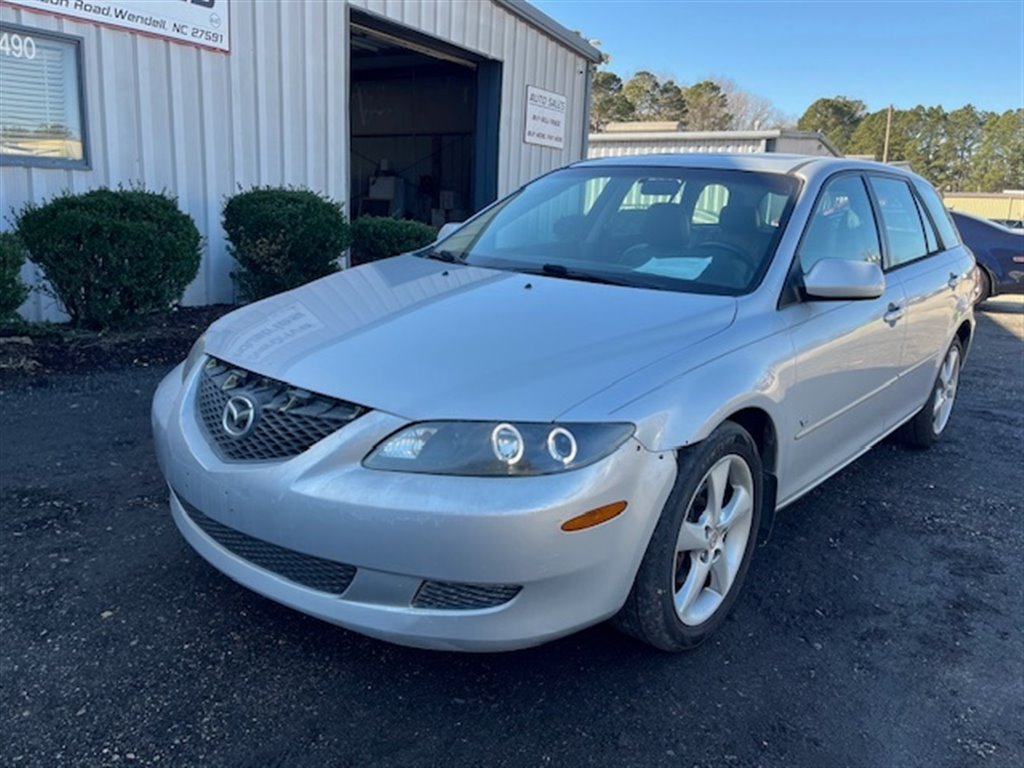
<point x="307" y="570"/>
<point x="446" y="596"/>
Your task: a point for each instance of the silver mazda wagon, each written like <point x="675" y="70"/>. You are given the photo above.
<point x="582" y="404"/>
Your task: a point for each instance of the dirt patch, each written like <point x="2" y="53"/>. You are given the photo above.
<point x="29" y="350"/>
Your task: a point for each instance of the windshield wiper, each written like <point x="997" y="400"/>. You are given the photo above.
<point x="441" y="255"/>
<point x="560" y="270"/>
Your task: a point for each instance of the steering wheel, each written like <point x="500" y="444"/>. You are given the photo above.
<point x="733" y="250"/>
<point x="739" y="259"/>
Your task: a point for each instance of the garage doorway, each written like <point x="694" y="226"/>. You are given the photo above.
<point x="423" y="117"/>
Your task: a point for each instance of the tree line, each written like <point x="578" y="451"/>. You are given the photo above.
<point x="964" y="150"/>
<point x="710" y="105"/>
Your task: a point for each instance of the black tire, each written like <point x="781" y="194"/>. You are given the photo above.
<point x="649" y="613"/>
<point x="921" y="431"/>
<point x="984" y="285"/>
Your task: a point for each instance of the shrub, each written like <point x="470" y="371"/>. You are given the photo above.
<point x="378" y="237"/>
<point x="282" y="238"/>
<point x="13" y="291"/>
<point x="110" y="256"/>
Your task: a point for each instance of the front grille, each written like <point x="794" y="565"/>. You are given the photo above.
<point x="287" y="420"/>
<point x="307" y="570"/>
<point x="447" y="596"/>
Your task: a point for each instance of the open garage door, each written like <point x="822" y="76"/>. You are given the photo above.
<point x="424" y="125"/>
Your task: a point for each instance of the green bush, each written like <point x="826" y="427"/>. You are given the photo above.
<point x="13" y="291"/>
<point x="110" y="256"/>
<point x="378" y="237"/>
<point x="282" y="238"/>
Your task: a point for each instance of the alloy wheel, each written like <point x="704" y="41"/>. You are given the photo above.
<point x="712" y="539"/>
<point x="945" y="390"/>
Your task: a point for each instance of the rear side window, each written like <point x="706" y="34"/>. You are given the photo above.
<point x="713" y="198"/>
<point x="770" y="210"/>
<point x="842" y="226"/>
<point x="900" y="220"/>
<point x="931" y="239"/>
<point x="932" y="201"/>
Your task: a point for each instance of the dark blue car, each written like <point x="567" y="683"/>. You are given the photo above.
<point x="999" y="251"/>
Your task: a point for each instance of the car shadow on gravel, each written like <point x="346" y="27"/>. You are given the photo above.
<point x="1002" y="306"/>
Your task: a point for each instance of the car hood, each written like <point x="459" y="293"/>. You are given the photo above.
<point x="427" y="340"/>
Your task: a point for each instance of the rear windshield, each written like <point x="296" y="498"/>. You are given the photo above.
<point x="699" y="230"/>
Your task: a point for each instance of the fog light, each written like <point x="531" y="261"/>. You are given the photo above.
<point x="507" y="444"/>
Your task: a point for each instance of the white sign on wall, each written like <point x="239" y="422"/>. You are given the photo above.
<point x="545" y="117"/>
<point x="198" y="22"/>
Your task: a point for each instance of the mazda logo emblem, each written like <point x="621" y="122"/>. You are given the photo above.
<point x="239" y="416"/>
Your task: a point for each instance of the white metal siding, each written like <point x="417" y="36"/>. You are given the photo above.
<point x="802" y="146"/>
<point x="628" y="148"/>
<point x="627" y="145"/>
<point x="199" y="124"/>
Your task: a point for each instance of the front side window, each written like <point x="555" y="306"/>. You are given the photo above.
<point x="842" y="226"/>
<point x="41" y="119"/>
<point x="635" y="226"/>
<point x="900" y="219"/>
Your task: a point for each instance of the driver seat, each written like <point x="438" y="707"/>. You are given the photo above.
<point x="737" y="226"/>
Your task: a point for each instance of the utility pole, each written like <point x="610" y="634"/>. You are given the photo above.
<point x="888" y="131"/>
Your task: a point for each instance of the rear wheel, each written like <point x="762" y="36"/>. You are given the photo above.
<point x="925" y="429"/>
<point x="701" y="548"/>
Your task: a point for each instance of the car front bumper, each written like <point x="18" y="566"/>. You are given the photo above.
<point x="402" y="531"/>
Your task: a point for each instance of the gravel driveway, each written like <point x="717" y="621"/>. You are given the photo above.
<point x="881" y="625"/>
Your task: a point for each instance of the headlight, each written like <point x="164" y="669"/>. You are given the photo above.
<point x="195" y="356"/>
<point x="481" y="449"/>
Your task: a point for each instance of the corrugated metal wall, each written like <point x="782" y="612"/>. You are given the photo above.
<point x="989" y="206"/>
<point x="623" y="145"/>
<point x="629" y="148"/>
<point x="200" y="124"/>
<point x="799" y="145"/>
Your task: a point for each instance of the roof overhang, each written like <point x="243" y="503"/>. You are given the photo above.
<point x="549" y="26"/>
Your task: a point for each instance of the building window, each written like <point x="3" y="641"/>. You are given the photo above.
<point x="42" y="119"/>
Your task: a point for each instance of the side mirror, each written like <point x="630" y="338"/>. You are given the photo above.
<point x="448" y="229"/>
<point x="844" y="279"/>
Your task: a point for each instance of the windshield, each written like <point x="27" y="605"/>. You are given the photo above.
<point x="684" y="229"/>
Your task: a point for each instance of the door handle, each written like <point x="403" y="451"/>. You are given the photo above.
<point x="893" y="315"/>
<point x="954" y="281"/>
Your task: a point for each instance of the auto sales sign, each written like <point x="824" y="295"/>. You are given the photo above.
<point x="197" y="22"/>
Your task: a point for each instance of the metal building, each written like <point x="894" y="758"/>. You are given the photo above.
<point x="620" y="139"/>
<point x="427" y="110"/>
<point x="1006" y="206"/>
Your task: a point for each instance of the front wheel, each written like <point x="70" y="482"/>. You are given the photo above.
<point x="925" y="429"/>
<point x="984" y="286"/>
<point x="700" y="551"/>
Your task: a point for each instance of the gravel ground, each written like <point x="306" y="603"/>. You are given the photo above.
<point x="881" y="625"/>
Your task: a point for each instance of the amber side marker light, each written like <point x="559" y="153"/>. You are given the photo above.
<point x="594" y="517"/>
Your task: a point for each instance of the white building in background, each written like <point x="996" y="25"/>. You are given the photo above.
<point x="619" y="139"/>
<point x="422" y="109"/>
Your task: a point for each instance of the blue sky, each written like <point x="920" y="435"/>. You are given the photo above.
<point x="904" y="53"/>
